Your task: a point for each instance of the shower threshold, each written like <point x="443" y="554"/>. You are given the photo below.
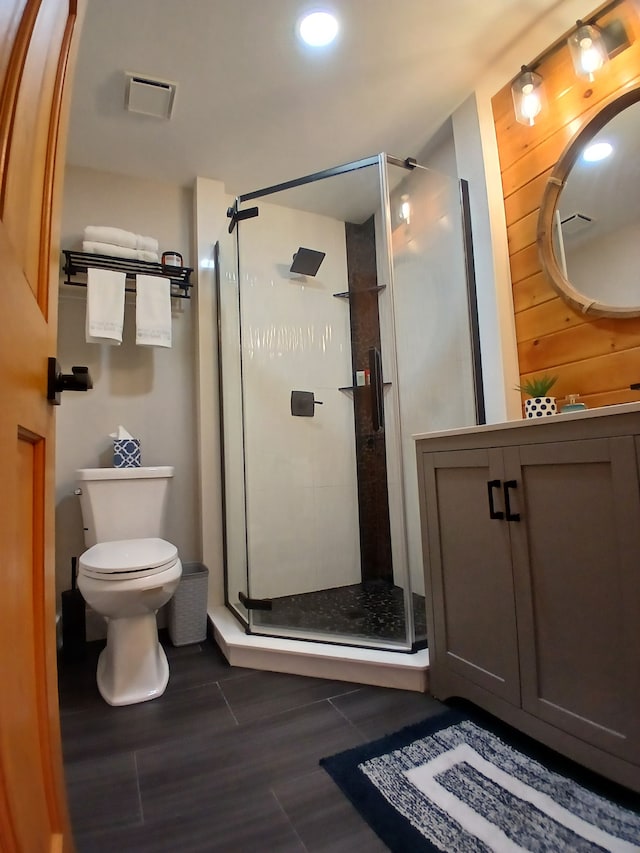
<point x="317" y="659"/>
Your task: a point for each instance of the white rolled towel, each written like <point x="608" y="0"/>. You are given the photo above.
<point x="146" y="244"/>
<point x="143" y="255"/>
<point x="153" y="311"/>
<point x="107" y="234"/>
<point x="113" y="251"/>
<point x="120" y="237"/>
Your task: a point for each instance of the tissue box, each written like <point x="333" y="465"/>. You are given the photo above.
<point x="126" y="452"/>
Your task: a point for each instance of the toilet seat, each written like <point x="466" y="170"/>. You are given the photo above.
<point x="128" y="559"/>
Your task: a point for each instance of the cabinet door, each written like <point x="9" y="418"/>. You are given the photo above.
<point x="469" y="573"/>
<point x="576" y="568"/>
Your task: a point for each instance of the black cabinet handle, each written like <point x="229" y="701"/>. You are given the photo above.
<point x="491" y="485"/>
<point x="511" y="516"/>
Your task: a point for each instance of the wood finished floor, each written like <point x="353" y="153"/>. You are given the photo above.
<point x="226" y="761"/>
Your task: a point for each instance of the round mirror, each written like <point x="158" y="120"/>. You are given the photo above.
<point x="589" y="223"/>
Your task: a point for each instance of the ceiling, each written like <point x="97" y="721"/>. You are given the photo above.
<point x="253" y="108"/>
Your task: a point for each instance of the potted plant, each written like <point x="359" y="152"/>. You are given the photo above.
<point x="541" y="403"/>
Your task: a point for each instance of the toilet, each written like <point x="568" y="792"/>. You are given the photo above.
<point x="127" y="573"/>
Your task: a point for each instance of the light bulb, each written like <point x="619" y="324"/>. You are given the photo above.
<point x="588" y="51"/>
<point x="527" y="93"/>
<point x="318" y="29"/>
<point x="591" y="60"/>
<point x="530" y="106"/>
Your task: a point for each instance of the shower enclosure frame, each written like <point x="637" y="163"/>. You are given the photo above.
<point x="237" y="214"/>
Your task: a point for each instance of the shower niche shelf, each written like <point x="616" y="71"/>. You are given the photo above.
<point x="360" y="387"/>
<point x="76" y="264"/>
<point x="347" y="294"/>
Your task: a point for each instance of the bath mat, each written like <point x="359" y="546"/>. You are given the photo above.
<point x="450" y="784"/>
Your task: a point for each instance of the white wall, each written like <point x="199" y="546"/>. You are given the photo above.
<point x="151" y="391"/>
<point x="211" y="227"/>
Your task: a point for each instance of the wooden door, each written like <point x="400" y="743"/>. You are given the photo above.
<point x="576" y="569"/>
<point x="469" y="583"/>
<point x="36" y="40"/>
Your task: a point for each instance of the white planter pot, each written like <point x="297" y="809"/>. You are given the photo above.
<point x="539" y="407"/>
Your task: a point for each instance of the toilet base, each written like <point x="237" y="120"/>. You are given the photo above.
<point x="133" y="666"/>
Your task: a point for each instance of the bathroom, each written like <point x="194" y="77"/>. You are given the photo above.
<point x="130" y="384"/>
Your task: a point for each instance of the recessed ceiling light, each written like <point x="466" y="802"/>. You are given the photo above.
<point x="318" y="29"/>
<point x="597" y="151"/>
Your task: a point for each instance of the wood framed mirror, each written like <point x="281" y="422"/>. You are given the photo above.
<point x="589" y="222"/>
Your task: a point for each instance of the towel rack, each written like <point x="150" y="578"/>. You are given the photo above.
<point x="76" y="264"/>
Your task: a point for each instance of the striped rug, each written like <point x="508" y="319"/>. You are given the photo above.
<point x="449" y="784"/>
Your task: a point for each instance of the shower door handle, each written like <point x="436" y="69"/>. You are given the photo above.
<point x="377" y="401"/>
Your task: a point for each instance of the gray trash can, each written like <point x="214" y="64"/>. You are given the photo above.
<point x="188" y="606"/>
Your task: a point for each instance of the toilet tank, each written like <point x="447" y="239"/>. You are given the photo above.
<point x="123" y="503"/>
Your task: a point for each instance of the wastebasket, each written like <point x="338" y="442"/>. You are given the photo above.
<point x="188" y="606"/>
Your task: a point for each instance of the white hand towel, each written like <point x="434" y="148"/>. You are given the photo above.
<point x="107" y="234"/>
<point x="153" y="311"/>
<point x="105" y="306"/>
<point x="113" y="251"/>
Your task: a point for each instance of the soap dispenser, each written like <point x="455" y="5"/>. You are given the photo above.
<point x="572" y="406"/>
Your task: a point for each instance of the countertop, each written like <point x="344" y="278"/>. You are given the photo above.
<point x="523" y="423"/>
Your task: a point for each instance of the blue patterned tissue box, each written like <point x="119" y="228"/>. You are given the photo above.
<point x="126" y="452"/>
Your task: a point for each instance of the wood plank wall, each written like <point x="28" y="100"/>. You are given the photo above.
<point x="597" y="358"/>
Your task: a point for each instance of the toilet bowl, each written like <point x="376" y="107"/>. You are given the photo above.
<point x="127" y="581"/>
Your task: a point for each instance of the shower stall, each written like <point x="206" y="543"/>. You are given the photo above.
<point x="349" y="326"/>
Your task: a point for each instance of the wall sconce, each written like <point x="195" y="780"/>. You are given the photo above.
<point x="590" y="47"/>
<point x="527" y="91"/>
<point x="588" y="50"/>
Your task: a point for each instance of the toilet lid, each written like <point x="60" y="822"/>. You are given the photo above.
<point x="128" y="558"/>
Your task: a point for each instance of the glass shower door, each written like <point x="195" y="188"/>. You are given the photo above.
<point x="318" y="535"/>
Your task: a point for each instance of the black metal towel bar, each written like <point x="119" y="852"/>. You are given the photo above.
<point x="76" y="264"/>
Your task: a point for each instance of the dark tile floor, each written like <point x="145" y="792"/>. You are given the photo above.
<point x="226" y="761"/>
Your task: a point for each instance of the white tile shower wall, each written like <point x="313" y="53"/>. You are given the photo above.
<point x="150" y="391"/>
<point x="301" y="482"/>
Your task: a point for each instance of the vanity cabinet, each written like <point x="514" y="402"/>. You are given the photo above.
<point x="531" y="542"/>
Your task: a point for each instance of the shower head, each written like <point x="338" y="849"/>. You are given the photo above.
<point x="307" y="261"/>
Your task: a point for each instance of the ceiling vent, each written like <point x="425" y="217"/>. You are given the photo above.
<point x="149" y="96"/>
<point x="576" y="223"/>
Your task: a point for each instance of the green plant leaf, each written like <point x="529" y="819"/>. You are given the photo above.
<point x="538" y="386"/>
